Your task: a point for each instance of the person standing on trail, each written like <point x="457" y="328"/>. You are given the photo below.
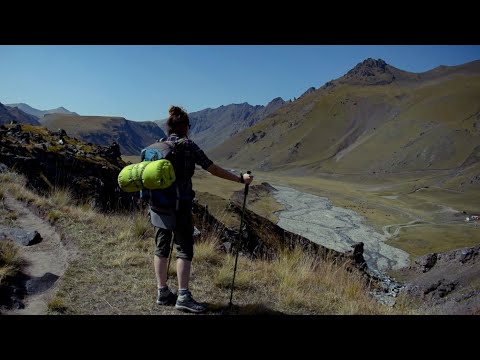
<point x="178" y="125"/>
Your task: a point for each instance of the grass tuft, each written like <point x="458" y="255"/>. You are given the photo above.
<point x="9" y="261"/>
<point x="57" y="305"/>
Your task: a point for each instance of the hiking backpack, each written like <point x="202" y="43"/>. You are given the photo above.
<point x="168" y="197"/>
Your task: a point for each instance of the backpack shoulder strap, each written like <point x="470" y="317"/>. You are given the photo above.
<point x="179" y="142"/>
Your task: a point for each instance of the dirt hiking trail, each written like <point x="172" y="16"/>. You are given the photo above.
<point x="43" y="263"/>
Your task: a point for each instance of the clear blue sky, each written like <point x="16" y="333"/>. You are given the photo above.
<point x="141" y="82"/>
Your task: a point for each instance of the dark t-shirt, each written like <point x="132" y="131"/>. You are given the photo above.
<point x="188" y="155"/>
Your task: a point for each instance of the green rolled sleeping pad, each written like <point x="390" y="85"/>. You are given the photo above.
<point x="146" y="175"/>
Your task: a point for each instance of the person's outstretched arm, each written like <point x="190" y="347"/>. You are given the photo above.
<point x="225" y="174"/>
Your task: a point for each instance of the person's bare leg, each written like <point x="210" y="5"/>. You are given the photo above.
<point x="160" y="264"/>
<point x="183" y="273"/>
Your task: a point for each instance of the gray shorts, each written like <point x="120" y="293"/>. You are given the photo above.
<point x="183" y="238"/>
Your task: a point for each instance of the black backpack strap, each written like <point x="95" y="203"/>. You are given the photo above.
<point x="178" y="143"/>
<point x="177" y="203"/>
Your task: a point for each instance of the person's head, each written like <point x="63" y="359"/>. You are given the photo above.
<point x="178" y="121"/>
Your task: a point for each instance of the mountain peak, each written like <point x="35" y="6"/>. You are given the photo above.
<point x="369" y="67"/>
<point x="277" y="100"/>
<point x="40" y="113"/>
<point x="372" y="63"/>
<point x="309" y="90"/>
<point x="370" y="72"/>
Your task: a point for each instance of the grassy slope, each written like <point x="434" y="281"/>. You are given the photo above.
<point x="112" y="271"/>
<point x="410" y="137"/>
<point x="80" y="124"/>
<point x="132" y="136"/>
<point x="379" y="128"/>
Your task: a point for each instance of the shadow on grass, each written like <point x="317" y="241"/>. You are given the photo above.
<point x="250" y="309"/>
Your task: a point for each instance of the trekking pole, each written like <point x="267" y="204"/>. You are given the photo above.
<point x="239" y="240"/>
<point x="170" y="256"/>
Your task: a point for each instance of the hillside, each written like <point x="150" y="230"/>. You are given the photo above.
<point x="62" y="213"/>
<point x="377" y="121"/>
<point x="132" y="136"/>
<point x="446" y="283"/>
<point x="211" y="127"/>
<point x="51" y="160"/>
<point x="9" y="114"/>
<point x="41" y="113"/>
<point x="402" y="149"/>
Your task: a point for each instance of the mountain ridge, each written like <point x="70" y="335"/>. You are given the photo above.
<point x="40" y="113"/>
<point x="132" y="136"/>
<point x="375" y="120"/>
<point x="8" y="115"/>
<point x="211" y="127"/>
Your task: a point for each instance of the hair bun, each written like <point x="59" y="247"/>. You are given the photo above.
<point x="175" y="110"/>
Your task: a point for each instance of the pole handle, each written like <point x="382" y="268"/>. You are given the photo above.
<point x="247" y="185"/>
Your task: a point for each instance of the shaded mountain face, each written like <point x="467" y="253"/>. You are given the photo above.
<point x="8" y="115"/>
<point x="211" y="127"/>
<point x="376" y="120"/>
<point x="132" y="136"/>
<point x="41" y="113"/>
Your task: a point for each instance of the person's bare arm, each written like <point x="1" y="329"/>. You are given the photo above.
<point x="225" y="174"/>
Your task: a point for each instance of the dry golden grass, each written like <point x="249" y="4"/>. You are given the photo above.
<point x="20" y="192"/>
<point x="60" y="197"/>
<point x="112" y="271"/>
<point x="83" y="214"/>
<point x="57" y="306"/>
<point x="11" y="177"/>
<point x="9" y="261"/>
<point x="53" y="215"/>
<point x="206" y="251"/>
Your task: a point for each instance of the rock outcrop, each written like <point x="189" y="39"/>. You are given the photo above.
<point x="51" y="160"/>
<point x="446" y="283"/>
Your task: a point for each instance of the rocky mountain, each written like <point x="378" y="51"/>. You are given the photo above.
<point x="211" y="127"/>
<point x="51" y="159"/>
<point x="8" y="115"/>
<point x="375" y="120"/>
<point x="41" y="113"/>
<point x="446" y="283"/>
<point x="132" y="136"/>
<point x="375" y="72"/>
<point x="309" y="91"/>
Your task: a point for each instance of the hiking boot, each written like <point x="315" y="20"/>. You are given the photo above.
<point x="166" y="297"/>
<point x="185" y="302"/>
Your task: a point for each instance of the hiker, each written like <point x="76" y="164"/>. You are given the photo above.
<point x="178" y="125"/>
